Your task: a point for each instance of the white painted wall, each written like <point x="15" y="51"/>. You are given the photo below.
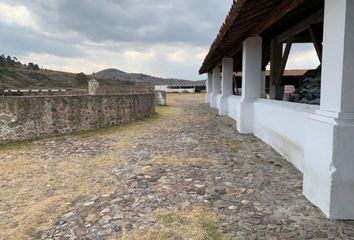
<point x="234" y="106"/>
<point x="174" y="90"/>
<point x="329" y="153"/>
<point x="279" y="124"/>
<point x="282" y="126"/>
<point x="319" y="141"/>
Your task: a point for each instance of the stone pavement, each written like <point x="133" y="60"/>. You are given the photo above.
<point x="185" y="174"/>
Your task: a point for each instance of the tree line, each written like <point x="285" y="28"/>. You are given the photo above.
<point x="8" y="61"/>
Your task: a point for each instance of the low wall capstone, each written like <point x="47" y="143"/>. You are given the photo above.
<point x="33" y="116"/>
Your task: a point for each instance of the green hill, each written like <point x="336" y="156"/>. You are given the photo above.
<point x="15" y="75"/>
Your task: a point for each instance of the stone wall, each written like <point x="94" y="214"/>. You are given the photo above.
<point x="32" y="116"/>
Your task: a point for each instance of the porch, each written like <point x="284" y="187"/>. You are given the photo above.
<point x="316" y="139"/>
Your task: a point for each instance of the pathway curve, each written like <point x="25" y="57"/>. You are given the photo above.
<point x="185" y="174"/>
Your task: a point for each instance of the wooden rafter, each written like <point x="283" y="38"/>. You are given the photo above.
<point x="302" y="26"/>
<point x="277" y="13"/>
<point x="284" y="60"/>
<point x="316" y="42"/>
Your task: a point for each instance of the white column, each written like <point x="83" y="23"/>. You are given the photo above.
<point x="216" y="87"/>
<point x="226" y="85"/>
<point x="251" y="82"/>
<point x="209" y="84"/>
<point x="329" y="153"/>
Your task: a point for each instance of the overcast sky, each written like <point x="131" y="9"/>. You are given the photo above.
<point x="157" y="37"/>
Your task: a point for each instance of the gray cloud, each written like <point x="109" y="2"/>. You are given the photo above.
<point x="91" y="32"/>
<point x="153" y="21"/>
<point x="158" y="37"/>
<point x="18" y="40"/>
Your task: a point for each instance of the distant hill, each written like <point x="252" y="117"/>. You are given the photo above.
<point x="16" y="75"/>
<point x="140" y="78"/>
<point x="22" y="78"/>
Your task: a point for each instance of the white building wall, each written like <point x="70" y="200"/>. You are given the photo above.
<point x="318" y="140"/>
<point x="282" y="126"/>
<point x="234" y="106"/>
<point x="279" y="124"/>
<point x="329" y="154"/>
<point x="174" y="90"/>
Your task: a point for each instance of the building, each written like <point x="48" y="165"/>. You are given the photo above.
<point x="182" y="88"/>
<point x="318" y="140"/>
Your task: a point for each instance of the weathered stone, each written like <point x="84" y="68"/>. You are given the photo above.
<point x="221" y="204"/>
<point x="288" y="235"/>
<point x="29" y="117"/>
<point x="175" y="156"/>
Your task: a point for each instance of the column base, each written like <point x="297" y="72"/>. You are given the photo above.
<point x="245" y="116"/>
<point x="213" y="100"/>
<point x="223" y="104"/>
<point x="207" y="98"/>
<point x="329" y="165"/>
<point x="218" y="97"/>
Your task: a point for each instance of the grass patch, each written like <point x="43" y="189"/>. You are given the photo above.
<point x="112" y="129"/>
<point x="20" y="144"/>
<point x="234" y="145"/>
<point x="196" y="224"/>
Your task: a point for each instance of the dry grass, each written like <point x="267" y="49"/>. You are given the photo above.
<point x="15" y="145"/>
<point x="234" y="145"/>
<point x="36" y="191"/>
<point x="196" y="224"/>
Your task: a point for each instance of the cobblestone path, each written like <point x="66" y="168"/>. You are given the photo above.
<point x="184" y="174"/>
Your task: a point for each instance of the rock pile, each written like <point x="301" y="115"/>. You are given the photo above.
<point x="310" y="91"/>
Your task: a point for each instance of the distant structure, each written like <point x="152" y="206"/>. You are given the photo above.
<point x="317" y="139"/>
<point x="182" y="88"/>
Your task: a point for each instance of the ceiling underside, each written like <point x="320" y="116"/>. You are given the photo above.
<point x="265" y="18"/>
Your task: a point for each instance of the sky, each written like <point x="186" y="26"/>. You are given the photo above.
<point x="156" y="37"/>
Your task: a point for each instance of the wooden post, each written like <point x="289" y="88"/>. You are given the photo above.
<point x="284" y="60"/>
<point x="316" y="42"/>
<point x="275" y="62"/>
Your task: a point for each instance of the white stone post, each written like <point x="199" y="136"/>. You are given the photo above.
<point x="329" y="152"/>
<point x="216" y="87"/>
<point x="209" y="86"/>
<point x="226" y="85"/>
<point x="93" y="86"/>
<point x="251" y="82"/>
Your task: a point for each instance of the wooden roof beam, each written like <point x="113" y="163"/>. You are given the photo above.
<point x="316" y="42"/>
<point x="301" y="26"/>
<point x="276" y="14"/>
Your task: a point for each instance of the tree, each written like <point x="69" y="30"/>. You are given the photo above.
<point x="32" y="66"/>
<point x="9" y="61"/>
<point x="2" y="60"/>
<point x="81" y="79"/>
